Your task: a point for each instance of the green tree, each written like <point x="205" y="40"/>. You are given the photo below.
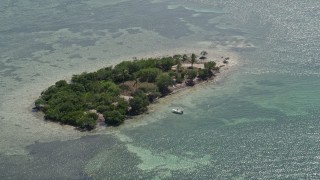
<point x="204" y="74"/>
<point x="103" y="108"/>
<point x="111" y="88"/>
<point x="177" y="57"/>
<point x="138" y="105"/>
<point x="72" y="117"/>
<point x="87" y="121"/>
<point x="39" y="102"/>
<point x="121" y="72"/>
<point x="179" y="78"/>
<point x="151" y="90"/>
<point x="139" y="102"/>
<point x="209" y="65"/>
<point x="148" y="74"/>
<point x="104" y="74"/>
<point x="193" y="59"/>
<point x="166" y="63"/>
<point x="133" y="67"/>
<point x="83" y="78"/>
<point x="120" y="75"/>
<point x="61" y="83"/>
<point x="184" y="58"/>
<point x="113" y="118"/>
<point x="53" y="114"/>
<point x="179" y="65"/>
<point x="77" y="88"/>
<point x="163" y="82"/>
<point x="191" y="74"/>
<point x="47" y="94"/>
<point x="122" y="106"/>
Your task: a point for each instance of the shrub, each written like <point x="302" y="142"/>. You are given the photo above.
<point x="191" y="74"/>
<point x="163" y="82"/>
<point x="139" y="103"/>
<point x="113" y="118"/>
<point x="204" y="74"/>
<point x="87" y="121"/>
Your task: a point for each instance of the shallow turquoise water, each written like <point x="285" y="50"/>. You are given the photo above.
<point x="259" y="122"/>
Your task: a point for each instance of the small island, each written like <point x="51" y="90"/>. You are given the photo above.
<point x="112" y="94"/>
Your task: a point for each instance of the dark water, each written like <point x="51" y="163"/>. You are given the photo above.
<point x="260" y="122"/>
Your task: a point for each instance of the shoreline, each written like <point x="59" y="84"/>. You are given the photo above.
<point x="203" y="68"/>
<point x="36" y="125"/>
<point x="225" y="70"/>
<point x="136" y="121"/>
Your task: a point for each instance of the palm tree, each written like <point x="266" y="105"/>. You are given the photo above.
<point x="193" y="59"/>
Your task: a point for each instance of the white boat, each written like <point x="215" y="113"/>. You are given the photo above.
<point x="177" y="110"/>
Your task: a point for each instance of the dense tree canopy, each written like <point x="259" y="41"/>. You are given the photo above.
<point x="144" y="80"/>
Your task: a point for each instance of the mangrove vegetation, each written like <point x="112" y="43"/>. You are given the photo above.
<point x="113" y="93"/>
